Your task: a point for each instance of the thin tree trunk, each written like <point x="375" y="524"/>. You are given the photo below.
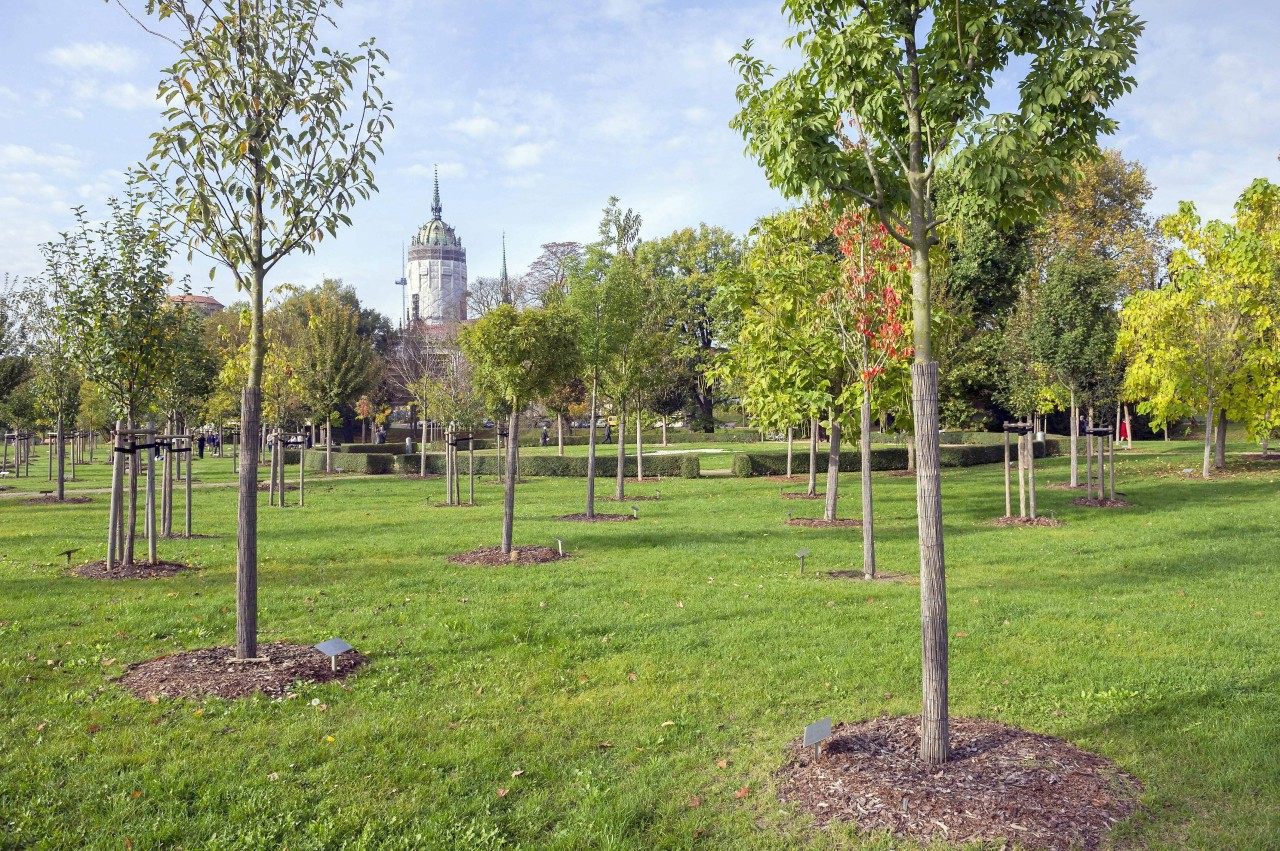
<point x="117" y="481"/>
<point x="422" y="456"/>
<point x="328" y="448"/>
<point x="911" y="451"/>
<point x="509" y="497"/>
<point x="302" y="472"/>
<point x="833" y="469"/>
<point x="1031" y="472"/>
<point x="1088" y="456"/>
<point x="664" y="429"/>
<point x="639" y="447"/>
<point x="271" y="471"/>
<point x="1220" y="441"/>
<point x="247" y="526"/>
<point x="591" y="455"/>
<point x="813" y="456"/>
<point x="934" y="747"/>
<point x="1128" y="426"/>
<point x="1022" y="475"/>
<point x="868" y="530"/>
<point x="150" y="521"/>
<point x="1075" y="440"/>
<point x="62" y="462"/>
<point x="187" y="506"/>
<point x="1111" y="466"/>
<point x="471" y="473"/>
<point x="1008" y="498"/>
<point x="1208" y="440"/>
<point x="560" y="434"/>
<point x="450" y="441"/>
<point x="790" y="441"/>
<point x="131" y="524"/>
<point x="620" y="484"/>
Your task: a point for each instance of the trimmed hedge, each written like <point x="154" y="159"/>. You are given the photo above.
<point x="773" y="463"/>
<point x="373" y="448"/>
<point x="671" y="466"/>
<point x="367" y="463"/>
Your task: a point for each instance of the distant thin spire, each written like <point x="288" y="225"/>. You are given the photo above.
<point x="506" y="285"/>
<point x="436" y="209"/>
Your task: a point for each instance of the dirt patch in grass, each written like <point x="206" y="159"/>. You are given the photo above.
<point x="1062" y="486"/>
<point x="1094" y="502"/>
<point x="290" y="486"/>
<point x="1001" y="784"/>
<point x="1023" y="521"/>
<point x="899" y="474"/>
<point x="1258" y="456"/>
<point x="861" y="577"/>
<point x="787" y="480"/>
<point x="494" y="557"/>
<point x="628" y="499"/>
<point x="597" y="518"/>
<point x="454" y="505"/>
<point x="212" y="672"/>
<point x="786" y="495"/>
<point x="137" y="570"/>
<point x="53" y="500"/>
<point x="819" y="523"/>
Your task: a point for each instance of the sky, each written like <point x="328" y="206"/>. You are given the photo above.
<point x="536" y="111"/>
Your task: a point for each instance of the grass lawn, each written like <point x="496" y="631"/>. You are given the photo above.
<point x="616" y="680"/>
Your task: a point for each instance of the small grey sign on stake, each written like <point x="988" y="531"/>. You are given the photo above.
<point x="816" y="733"/>
<point x="333" y="648"/>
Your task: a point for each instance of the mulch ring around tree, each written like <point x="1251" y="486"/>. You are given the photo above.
<point x="53" y="500"/>
<point x="786" y="495"/>
<point x="137" y="570"/>
<point x="596" y="518"/>
<point x="1001" y="783"/>
<point x="787" y="480"/>
<point x="212" y="672"/>
<point x="628" y="499"/>
<point x="1062" y="486"/>
<point x="861" y="577"/>
<point x="1024" y="521"/>
<point x="819" y="523"/>
<point x="1094" y="502"/>
<point x="495" y="557"/>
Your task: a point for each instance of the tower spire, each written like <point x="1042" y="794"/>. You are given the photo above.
<point x="436" y="209"/>
<point x="506" y="284"/>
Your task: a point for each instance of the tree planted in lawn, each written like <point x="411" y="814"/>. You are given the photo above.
<point x="269" y="139"/>
<point x="887" y="91"/>
<point x="518" y="356"/>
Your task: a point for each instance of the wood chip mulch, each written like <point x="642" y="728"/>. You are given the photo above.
<point x="137" y="570"/>
<point x="819" y="523"/>
<point x="53" y="500"/>
<point x="596" y="518"/>
<point x="862" y="577"/>
<point x="210" y="672"/>
<point x="803" y="496"/>
<point x="1094" y="502"/>
<point x="628" y="499"/>
<point x="787" y="480"/>
<point x="1024" y="521"/>
<point x="494" y="557"/>
<point x="1002" y="783"/>
<point x="1062" y="486"/>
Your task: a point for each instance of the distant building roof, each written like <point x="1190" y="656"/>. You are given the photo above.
<point x="206" y="303"/>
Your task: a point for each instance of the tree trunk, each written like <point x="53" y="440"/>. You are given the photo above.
<point x="450" y="446"/>
<point x="1075" y="440"/>
<point x="62" y="462"/>
<point x="1022" y="475"/>
<point x="1088" y="456"/>
<point x="422" y="456"/>
<point x="302" y="472"/>
<point x="790" y="441"/>
<point x="1220" y="441"/>
<point x="1128" y="426"/>
<point x="813" y="456"/>
<point x="560" y="434"/>
<point x="1031" y="472"/>
<point x="117" y="481"/>
<point x="833" y="469"/>
<point x="509" y="497"/>
<point x="131" y="523"/>
<point x="1208" y="440"/>
<point x="1008" y="496"/>
<point x="639" y="447"/>
<point x="934" y="748"/>
<point x="620" y="489"/>
<point x="911" y="452"/>
<point x="591" y="455"/>
<point x="187" y="505"/>
<point x="247" y="526"/>
<point x="868" y="530"/>
<point x="706" y="405"/>
<point x="664" y="429"/>
<point x="328" y="447"/>
<point x="471" y="473"/>
<point x="150" y="521"/>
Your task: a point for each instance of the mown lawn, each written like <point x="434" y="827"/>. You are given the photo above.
<point x="1147" y="635"/>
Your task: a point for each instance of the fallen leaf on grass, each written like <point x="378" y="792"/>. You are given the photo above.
<point x="722" y="763"/>
<point x="582" y="679"/>
<point x="632" y="677"/>
<point x="667" y="724"/>
<point x="962" y="635"/>
<point x="695" y="802"/>
<point x="502" y="793"/>
<point x="137" y="793"/>
<point x="273" y="776"/>
<point x="517" y="772"/>
<point x="743" y="792"/>
<point x="92" y="728"/>
<point x="604" y="746"/>
<point x="679" y="605"/>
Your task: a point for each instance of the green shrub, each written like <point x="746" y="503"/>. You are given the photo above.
<point x="774" y="463"/>
<point x="684" y="465"/>
<point x="374" y="448"/>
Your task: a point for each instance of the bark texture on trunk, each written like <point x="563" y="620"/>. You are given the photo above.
<point x="117" y="482"/>
<point x="790" y="441"/>
<point x="509" y="496"/>
<point x="813" y="456"/>
<point x="639" y="447"/>
<point x="591" y="455"/>
<point x="62" y="462"/>
<point x="868" y="529"/>
<point x="1220" y="441"/>
<point x="833" y="470"/>
<point x="247" y="527"/>
<point x="933" y="582"/>
<point x="620" y="489"/>
<point x="1075" y="440"/>
<point x="1208" y="441"/>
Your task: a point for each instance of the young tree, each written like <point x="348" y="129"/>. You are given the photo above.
<point x="50" y="336"/>
<point x="263" y="153"/>
<point x="333" y="363"/>
<point x="1073" y="329"/>
<point x="886" y="92"/>
<point x="518" y="356"/>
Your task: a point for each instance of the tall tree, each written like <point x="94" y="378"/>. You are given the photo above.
<point x="270" y="137"/>
<point x="56" y="377"/>
<point x="518" y="356"/>
<point x="695" y="265"/>
<point x="887" y="91"/>
<point x="548" y="275"/>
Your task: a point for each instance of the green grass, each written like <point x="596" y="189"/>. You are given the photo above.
<point x="1147" y="635"/>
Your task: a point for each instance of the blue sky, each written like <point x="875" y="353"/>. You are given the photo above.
<point x="537" y="111"/>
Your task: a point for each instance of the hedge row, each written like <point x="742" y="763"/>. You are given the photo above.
<point x="374" y="448"/>
<point x="368" y="463"/>
<point x="672" y="466"/>
<point x="748" y="464"/>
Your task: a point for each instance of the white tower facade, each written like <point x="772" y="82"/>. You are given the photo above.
<point x="436" y="271"/>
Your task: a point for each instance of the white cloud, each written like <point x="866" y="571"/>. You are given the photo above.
<point x="524" y="156"/>
<point x="449" y="169"/>
<point x="130" y="97"/>
<point x="20" y="156"/>
<point x="94" y="56"/>
<point x="476" y="127"/>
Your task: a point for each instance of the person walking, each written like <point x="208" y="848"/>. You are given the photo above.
<point x="544" y="435"/>
<point x="200" y="445"/>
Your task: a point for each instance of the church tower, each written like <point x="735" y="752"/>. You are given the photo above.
<point x="436" y="271"/>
